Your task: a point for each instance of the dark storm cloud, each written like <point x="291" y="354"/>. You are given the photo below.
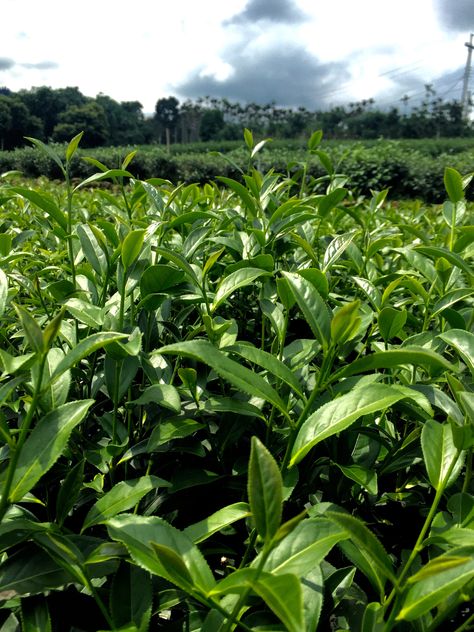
<point x="41" y="65"/>
<point x="287" y="75"/>
<point x="279" y="11"/>
<point x="456" y="15"/>
<point x="6" y="63"/>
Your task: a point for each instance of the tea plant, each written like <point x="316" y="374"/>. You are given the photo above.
<point x="246" y="405"/>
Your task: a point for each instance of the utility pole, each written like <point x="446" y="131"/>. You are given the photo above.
<point x="466" y="95"/>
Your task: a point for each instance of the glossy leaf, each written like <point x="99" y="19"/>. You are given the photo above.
<point x="339" y="414"/>
<point x="441" y="457"/>
<point x="447" y="574"/>
<point x="138" y="533"/>
<point x="233" y="282"/>
<point x="312" y="306"/>
<point x="241" y="377"/>
<point x="123" y="496"/>
<point x="222" y="518"/>
<point x="45" y="445"/>
<point x="131" y="247"/>
<point x="265" y="491"/>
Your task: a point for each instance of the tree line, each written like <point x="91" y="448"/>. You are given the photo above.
<point x="58" y="114"/>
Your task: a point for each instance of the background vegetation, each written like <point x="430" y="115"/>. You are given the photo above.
<point x="56" y="115"/>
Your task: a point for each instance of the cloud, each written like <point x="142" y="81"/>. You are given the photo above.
<point x="456" y="15"/>
<point x="279" y="11"/>
<point x="286" y="74"/>
<point x="6" y="63"/>
<point x="41" y="65"/>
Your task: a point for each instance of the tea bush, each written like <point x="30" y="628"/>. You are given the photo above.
<point x="241" y="405"/>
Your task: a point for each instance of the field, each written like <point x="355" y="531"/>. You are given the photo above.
<point x="240" y="403"/>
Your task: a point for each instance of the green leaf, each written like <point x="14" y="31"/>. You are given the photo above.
<point x="391" y="321"/>
<point x="173" y="429"/>
<point x="269" y="362"/>
<point x="165" y="395"/>
<point x="234" y="281"/>
<point x="345" y="323"/>
<point x="45" y="203"/>
<point x="340" y="413"/>
<point x="131" y="597"/>
<point x="446" y="575"/>
<point x="48" y="151"/>
<point x="29" y="571"/>
<point x="449" y="299"/>
<point x="242" y="192"/>
<point x="283" y="595"/>
<point x="93" y="251"/>
<point x="72" y="146"/>
<point x="315" y="139"/>
<point x="440" y="454"/>
<point x="244" y="379"/>
<point x="304" y="548"/>
<point x="452" y="257"/>
<point x="312" y="306"/>
<point x="35" y="614"/>
<point x="111" y="173"/>
<point x="85" y="312"/>
<point x="131" y="247"/>
<point x="337" y="246"/>
<point x="312" y="585"/>
<point x="160" y="278"/>
<point x="453" y="184"/>
<point x="138" y="532"/>
<point x="361" y="475"/>
<point x="45" y="445"/>
<point x="202" y="530"/>
<point x="123" y="496"/>
<point x="69" y="491"/>
<point x="416" y="356"/>
<point x="363" y="538"/>
<point x="265" y="491"/>
<point x="32" y="330"/>
<point x="85" y="348"/>
<point x="463" y="342"/>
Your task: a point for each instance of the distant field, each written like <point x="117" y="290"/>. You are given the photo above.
<point x="409" y="168"/>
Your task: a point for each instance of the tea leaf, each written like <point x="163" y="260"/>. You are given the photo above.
<point x="131" y="247"/>
<point x="312" y="306"/>
<point x="222" y="518"/>
<point x="436" y="588"/>
<point x="139" y="533"/>
<point x="265" y="491"/>
<point x="463" y="342"/>
<point x="305" y="547"/>
<point x="234" y="281"/>
<point x="122" y="496"/>
<point x="45" y="445"/>
<point x="440" y="454"/>
<point x="339" y="414"/>
<point x="241" y="377"/>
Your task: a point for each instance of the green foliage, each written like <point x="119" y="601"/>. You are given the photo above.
<point x="222" y="403"/>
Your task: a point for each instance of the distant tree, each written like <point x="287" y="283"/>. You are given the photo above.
<point x="47" y="104"/>
<point x="212" y="125"/>
<point x="167" y="118"/>
<point x="5" y="121"/>
<point x="124" y="120"/>
<point x="89" y="118"/>
<point x="16" y="122"/>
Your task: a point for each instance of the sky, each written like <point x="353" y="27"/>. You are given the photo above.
<point x="312" y="53"/>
